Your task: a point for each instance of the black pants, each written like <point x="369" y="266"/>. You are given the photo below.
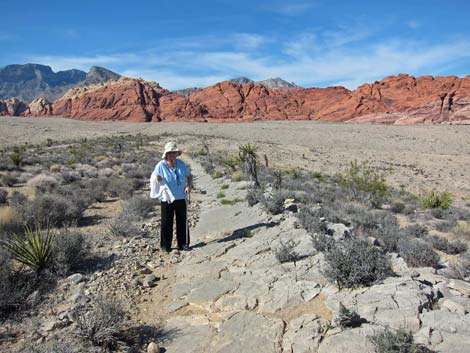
<point x="169" y="210"/>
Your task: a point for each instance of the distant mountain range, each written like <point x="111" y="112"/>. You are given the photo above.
<point x="398" y="99"/>
<point x="269" y="83"/>
<point x="30" y="81"/>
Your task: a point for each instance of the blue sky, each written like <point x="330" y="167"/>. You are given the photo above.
<point x="182" y="44"/>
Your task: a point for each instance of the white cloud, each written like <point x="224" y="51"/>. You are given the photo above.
<point x="312" y="58"/>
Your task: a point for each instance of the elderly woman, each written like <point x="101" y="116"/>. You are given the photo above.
<point x="173" y="173"/>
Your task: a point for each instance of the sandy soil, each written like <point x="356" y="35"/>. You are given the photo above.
<point x="419" y="157"/>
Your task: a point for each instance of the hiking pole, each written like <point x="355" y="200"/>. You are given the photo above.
<point x="187" y="199"/>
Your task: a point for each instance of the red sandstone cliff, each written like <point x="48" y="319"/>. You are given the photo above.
<point x="400" y="99"/>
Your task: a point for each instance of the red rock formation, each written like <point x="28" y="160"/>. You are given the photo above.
<point x="12" y="107"/>
<point x="126" y="99"/>
<point x="400" y="99"/>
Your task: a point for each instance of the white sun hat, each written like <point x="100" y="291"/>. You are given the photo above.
<point x="171" y="147"/>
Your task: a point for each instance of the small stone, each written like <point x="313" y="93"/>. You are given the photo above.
<point x="153" y="348"/>
<point x="76" y="278"/>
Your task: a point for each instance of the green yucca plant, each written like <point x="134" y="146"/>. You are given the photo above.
<point x="247" y="154"/>
<point x="35" y="250"/>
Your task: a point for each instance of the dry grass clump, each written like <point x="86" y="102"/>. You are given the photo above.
<point x="100" y="322"/>
<point x="286" y="252"/>
<point x="43" y="182"/>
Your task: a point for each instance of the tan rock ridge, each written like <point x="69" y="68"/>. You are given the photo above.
<point x="400" y="99"/>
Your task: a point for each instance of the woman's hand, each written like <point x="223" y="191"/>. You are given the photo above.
<point x="159" y="178"/>
<point x="187" y="189"/>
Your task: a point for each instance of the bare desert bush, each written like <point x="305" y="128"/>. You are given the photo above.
<point x="322" y="242"/>
<point x="123" y="226"/>
<point x="139" y="206"/>
<point x="53" y="209"/>
<point x="99" y="323"/>
<point x="286" y="252"/>
<point x="15" y="287"/>
<point x="120" y="187"/>
<point x="433" y="199"/>
<point x="95" y="189"/>
<point x="43" y="182"/>
<point x="460" y="267"/>
<point x="355" y="263"/>
<point x="400" y="341"/>
<point x="70" y="176"/>
<point x="418" y="253"/>
<point x="70" y="250"/>
<point x="274" y="204"/>
<point x="462" y="231"/>
<point x="3" y="196"/>
<point x="449" y="247"/>
<point x="311" y="220"/>
<point x="254" y="195"/>
<point x="86" y="170"/>
<point x="365" y="184"/>
<point x="415" y="231"/>
<point x="348" y="318"/>
<point x="8" y="180"/>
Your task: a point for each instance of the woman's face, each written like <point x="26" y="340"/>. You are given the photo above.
<point x="171" y="156"/>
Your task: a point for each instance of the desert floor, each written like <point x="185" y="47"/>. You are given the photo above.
<point x="419" y="157"/>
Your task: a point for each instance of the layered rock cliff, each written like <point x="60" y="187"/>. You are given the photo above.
<point x="400" y="99"/>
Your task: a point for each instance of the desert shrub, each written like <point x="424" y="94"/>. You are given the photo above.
<point x="17" y="156"/>
<point x="122" y="188"/>
<point x="311" y="219"/>
<point x="400" y="341"/>
<point x="322" y="242"/>
<point x="397" y="207"/>
<point x="449" y="247"/>
<point x="434" y="199"/>
<point x="15" y="287"/>
<point x="225" y="186"/>
<point x="95" y="189"/>
<point x="415" y="231"/>
<point x="220" y="195"/>
<point x="446" y="225"/>
<point x="139" y="206"/>
<point x="275" y="203"/>
<point x="53" y="209"/>
<point x="355" y="263"/>
<point x="460" y="268"/>
<point x="462" y="231"/>
<point x="417" y="253"/>
<point x="286" y="253"/>
<point x="43" y="182"/>
<point x="8" y="180"/>
<point x="70" y="176"/>
<point x="86" y="170"/>
<point x="365" y="184"/>
<point x="3" y="196"/>
<point x="348" y="318"/>
<point x="70" y="250"/>
<point x="100" y="322"/>
<point x="254" y="195"/>
<point x="123" y="226"/>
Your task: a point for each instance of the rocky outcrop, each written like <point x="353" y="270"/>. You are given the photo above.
<point x="12" y="107"/>
<point x="400" y="99"/>
<point x="30" y="81"/>
<point x="126" y="99"/>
